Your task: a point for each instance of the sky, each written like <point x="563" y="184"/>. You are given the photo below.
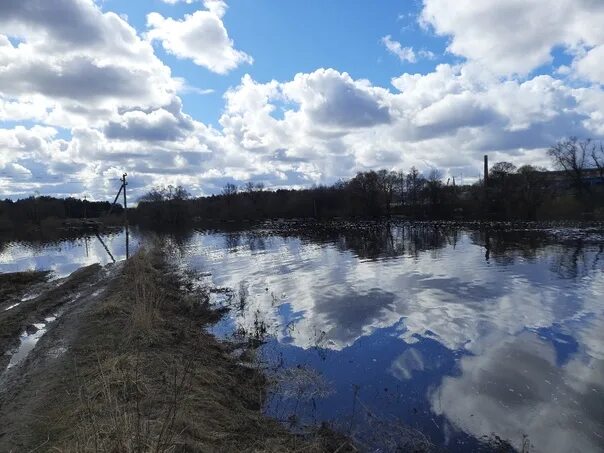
<point x="288" y="93"/>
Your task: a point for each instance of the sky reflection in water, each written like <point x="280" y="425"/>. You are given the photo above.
<point x="63" y="256"/>
<point x="430" y="327"/>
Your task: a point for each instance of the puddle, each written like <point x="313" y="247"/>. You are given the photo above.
<point x="29" y="338"/>
<point x="31" y="296"/>
<point x="25" y="298"/>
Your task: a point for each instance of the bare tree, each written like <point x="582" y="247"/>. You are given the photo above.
<point x="414" y="183"/>
<point x="435" y="175"/>
<point x="229" y="190"/>
<point x="251" y="187"/>
<point x="162" y="193"/>
<point x="180" y="193"/>
<point x="154" y="195"/>
<point x="433" y="187"/>
<point x="571" y="155"/>
<point x="501" y="169"/>
<point x="389" y="183"/>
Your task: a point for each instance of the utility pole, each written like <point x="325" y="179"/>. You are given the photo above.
<point x="486" y="189"/>
<point x="124" y="184"/>
<point x="123" y="188"/>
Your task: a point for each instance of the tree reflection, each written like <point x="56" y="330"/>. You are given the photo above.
<point x="569" y="259"/>
<point x="378" y="240"/>
<point x="577" y="261"/>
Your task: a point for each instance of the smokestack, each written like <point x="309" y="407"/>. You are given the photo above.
<point x="486" y="170"/>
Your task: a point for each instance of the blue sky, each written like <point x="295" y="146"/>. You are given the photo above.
<point x="291" y="94"/>
<point x="287" y="37"/>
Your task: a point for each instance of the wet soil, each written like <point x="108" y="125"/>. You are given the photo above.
<point x="28" y="308"/>
<point x="14" y="285"/>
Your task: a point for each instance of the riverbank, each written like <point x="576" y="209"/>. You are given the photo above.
<point x="123" y="364"/>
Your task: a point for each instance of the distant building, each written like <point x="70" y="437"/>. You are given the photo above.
<point x="561" y="178"/>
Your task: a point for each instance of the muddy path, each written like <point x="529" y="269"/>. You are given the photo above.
<point x="43" y="303"/>
<point x="36" y="338"/>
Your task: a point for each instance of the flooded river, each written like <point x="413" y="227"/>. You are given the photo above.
<point x="406" y="334"/>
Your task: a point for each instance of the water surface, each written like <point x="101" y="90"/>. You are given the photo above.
<point x="394" y="330"/>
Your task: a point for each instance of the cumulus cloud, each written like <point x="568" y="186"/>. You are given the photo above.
<point x="590" y="65"/>
<point x="325" y="125"/>
<point x="164" y="124"/>
<point x="517" y="36"/>
<point x="395" y="48"/>
<point x="216" y="7"/>
<point x="331" y="98"/>
<point x="113" y="104"/>
<point x="74" y="61"/>
<point x="326" y="116"/>
<point x="201" y="37"/>
<point x="89" y="75"/>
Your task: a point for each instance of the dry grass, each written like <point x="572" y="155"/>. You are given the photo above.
<point x="112" y="416"/>
<point x="147" y="296"/>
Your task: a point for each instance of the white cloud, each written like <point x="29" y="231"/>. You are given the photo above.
<point x="216" y="7"/>
<point x="427" y="54"/>
<point x="325" y="125"/>
<point x="517" y="36"/>
<point x="89" y="77"/>
<point x="590" y="66"/>
<point x="395" y="48"/>
<point x="74" y="61"/>
<point x="200" y="36"/>
<point x="326" y="117"/>
<point x="516" y="388"/>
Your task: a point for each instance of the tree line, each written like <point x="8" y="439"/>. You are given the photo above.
<point x="48" y="212"/>
<point x="507" y="193"/>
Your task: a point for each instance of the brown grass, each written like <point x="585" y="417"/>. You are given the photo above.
<point x="147" y="296"/>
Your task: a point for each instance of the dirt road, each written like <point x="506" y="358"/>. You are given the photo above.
<point x="37" y="337"/>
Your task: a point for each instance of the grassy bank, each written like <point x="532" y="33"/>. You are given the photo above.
<point x="142" y="375"/>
